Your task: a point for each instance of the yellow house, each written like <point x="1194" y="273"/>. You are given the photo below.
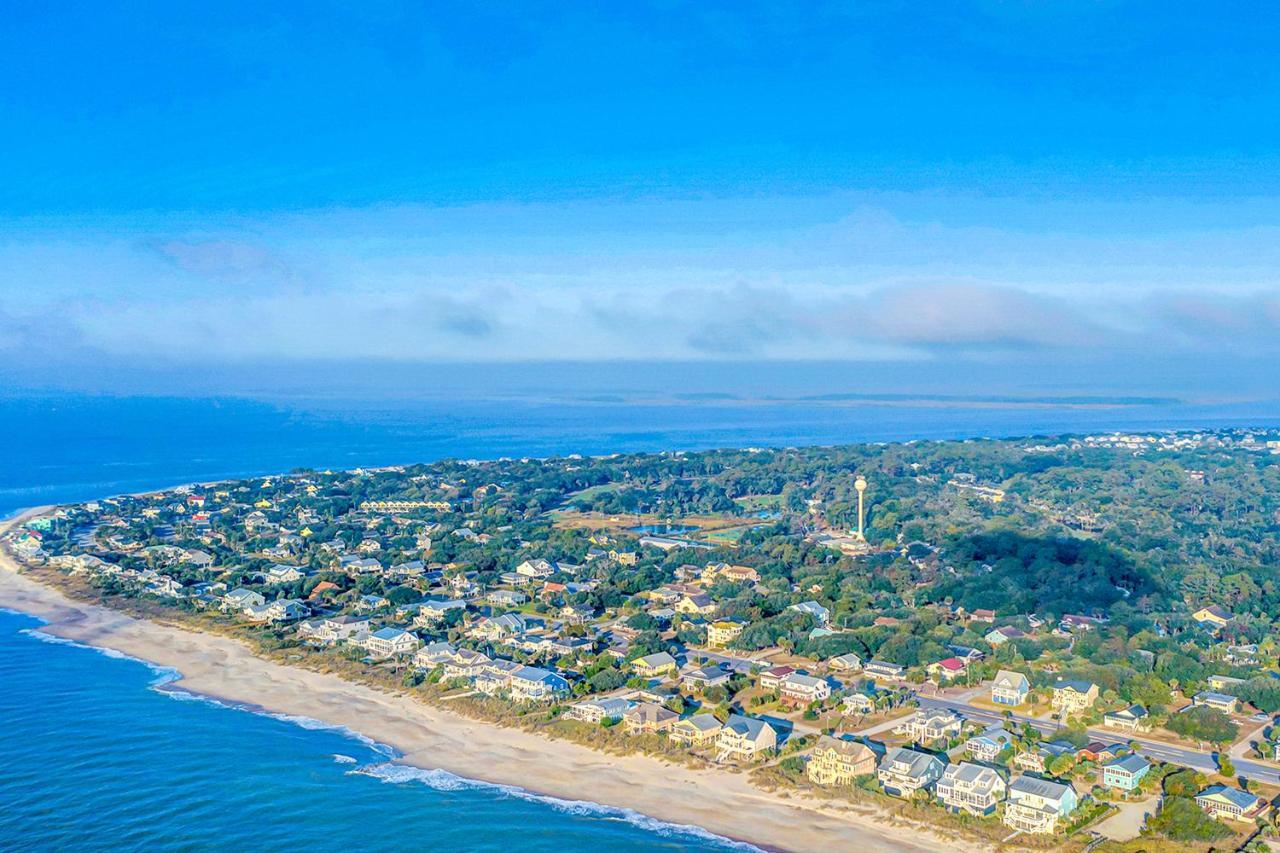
<point x="839" y="762"/>
<point x="722" y="633"/>
<point x="1070" y="697"/>
<point x="700" y="604"/>
<point x="656" y="665"/>
<point x="624" y="558"/>
<point x="1212" y="615"/>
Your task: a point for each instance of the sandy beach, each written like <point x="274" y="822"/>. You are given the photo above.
<point x="429" y="737"/>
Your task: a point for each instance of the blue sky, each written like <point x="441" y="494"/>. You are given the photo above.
<point x="234" y="183"/>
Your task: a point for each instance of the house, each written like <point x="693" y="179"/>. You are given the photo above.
<point x="433" y="655"/>
<point x="698" y="730"/>
<point x="392" y="642"/>
<point x="904" y="771"/>
<point x="647" y="718"/>
<point x="744" y="738"/>
<point x="986" y="745"/>
<point x="1000" y="636"/>
<point x="948" y="669"/>
<point x="239" y="599"/>
<point x="971" y="788"/>
<point x="656" y="665"/>
<point x="333" y="629"/>
<point x="878" y="669"/>
<point x="1219" y="801"/>
<point x="283" y="610"/>
<point x="982" y="615"/>
<point x="925" y="726"/>
<point x="699" y="604"/>
<point x="506" y="597"/>
<point x="281" y="573"/>
<point x="498" y="628"/>
<point x="1036" y="805"/>
<point x="1224" y="683"/>
<point x="1036" y="760"/>
<point x="1242" y="655"/>
<point x="804" y="689"/>
<point x="1213" y="616"/>
<point x="534" y="684"/>
<point x="434" y="612"/>
<point x="1221" y="701"/>
<point x="859" y="703"/>
<point x="771" y="679"/>
<point x="1097" y="751"/>
<point x="1072" y="696"/>
<point x="1125" y="773"/>
<point x="538" y="569"/>
<point x="835" y="761"/>
<point x="703" y="678"/>
<point x="1076" y="622"/>
<point x="848" y="662"/>
<point x="1010" y="688"/>
<point x="723" y="632"/>
<point x="820" y="614"/>
<point x="1132" y="719"/>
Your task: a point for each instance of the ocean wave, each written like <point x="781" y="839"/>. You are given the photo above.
<point x="443" y="780"/>
<point x="308" y="723"/>
<point x="164" y="674"/>
<point x="343" y="759"/>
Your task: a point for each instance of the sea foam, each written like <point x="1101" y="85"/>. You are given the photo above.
<point x="443" y="780"/>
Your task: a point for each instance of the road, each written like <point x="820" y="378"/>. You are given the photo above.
<point x="1160" y="751"/>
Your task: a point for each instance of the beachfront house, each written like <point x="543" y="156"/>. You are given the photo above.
<point x="744" y="738"/>
<point x="904" y="771"/>
<point x="971" y="788"/>
<point x="238" y="600"/>
<point x="1036" y="805"/>
<point x="835" y="761"/>
<point x="1010" y="688"/>
<point x="599" y="710"/>
<point x="695" y="731"/>
<point x="648" y="718"/>
<point x="391" y="642"/>
<point x="534" y="684"/>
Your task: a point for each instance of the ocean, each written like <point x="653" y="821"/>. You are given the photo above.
<point x="98" y="752"/>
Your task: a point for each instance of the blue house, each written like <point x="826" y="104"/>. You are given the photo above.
<point x="1125" y="773"/>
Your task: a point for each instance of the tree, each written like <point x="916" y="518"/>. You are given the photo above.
<point x="1225" y="767"/>
<point x="1203" y="723"/>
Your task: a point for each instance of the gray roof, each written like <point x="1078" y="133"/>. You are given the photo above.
<point x="1038" y="787"/>
<point x="1132" y="763"/>
<point x="918" y="762"/>
<point x="749" y="726"/>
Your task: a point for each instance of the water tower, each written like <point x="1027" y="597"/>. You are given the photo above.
<point x="861" y="485"/>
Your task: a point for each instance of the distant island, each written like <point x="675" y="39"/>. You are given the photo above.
<point x="1040" y="643"/>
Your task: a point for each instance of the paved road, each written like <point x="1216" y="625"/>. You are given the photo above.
<point x="1158" y="750"/>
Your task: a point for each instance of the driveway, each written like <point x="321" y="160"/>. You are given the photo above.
<point x="1127" y="823"/>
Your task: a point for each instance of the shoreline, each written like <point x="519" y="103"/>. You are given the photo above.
<point x="428" y="737"/>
